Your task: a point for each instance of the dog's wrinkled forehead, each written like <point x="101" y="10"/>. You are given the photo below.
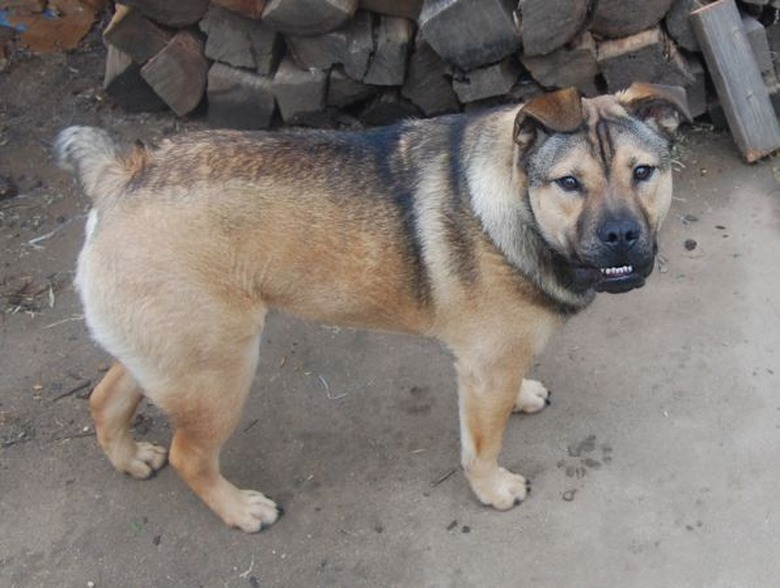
<point x="606" y="127"/>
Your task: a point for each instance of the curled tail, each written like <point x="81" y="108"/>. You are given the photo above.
<point x="95" y="160"/>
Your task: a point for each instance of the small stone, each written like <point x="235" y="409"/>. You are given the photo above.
<point x="690" y="244"/>
<point x="8" y="188"/>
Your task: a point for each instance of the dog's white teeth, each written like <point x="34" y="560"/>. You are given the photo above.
<point x="617" y="271"/>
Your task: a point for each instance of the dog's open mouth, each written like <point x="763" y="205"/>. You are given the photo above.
<point x="615" y="279"/>
<point x="618" y="279"/>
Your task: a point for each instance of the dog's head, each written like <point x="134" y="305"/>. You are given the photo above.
<point x="599" y="178"/>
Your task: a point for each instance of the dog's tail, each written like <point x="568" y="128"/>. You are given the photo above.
<point x="96" y="160"/>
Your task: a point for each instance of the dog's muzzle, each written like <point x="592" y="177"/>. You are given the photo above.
<point x="619" y="258"/>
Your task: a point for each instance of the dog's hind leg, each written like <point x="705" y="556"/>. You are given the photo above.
<point x="204" y="405"/>
<point x="113" y="403"/>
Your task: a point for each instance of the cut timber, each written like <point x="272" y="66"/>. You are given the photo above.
<point x="428" y="82"/>
<point x="406" y="8"/>
<point x="737" y="79"/>
<point x="170" y="13"/>
<point x="697" y="91"/>
<point x="387" y="108"/>
<point x="649" y="56"/>
<point x="678" y="23"/>
<point x="239" y="99"/>
<point x="388" y="67"/>
<point x="470" y="33"/>
<point x="299" y="93"/>
<point x="620" y="18"/>
<point x="344" y="91"/>
<point x="351" y="46"/>
<point x="135" y="35"/>
<point x="487" y="82"/>
<point x="178" y="72"/>
<point x="240" y="41"/>
<point x="756" y="36"/>
<point x="123" y="82"/>
<point x="61" y="28"/>
<point x="249" y="8"/>
<point x="773" y="36"/>
<point x="548" y="25"/>
<point x="308" y="17"/>
<point x="574" y="65"/>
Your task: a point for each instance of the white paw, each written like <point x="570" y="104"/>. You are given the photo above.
<point x="533" y="397"/>
<point x="252" y="511"/>
<point x="501" y="489"/>
<point x="145" y="461"/>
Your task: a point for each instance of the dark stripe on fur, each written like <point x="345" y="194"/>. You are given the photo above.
<point x="457" y="212"/>
<point x="399" y="178"/>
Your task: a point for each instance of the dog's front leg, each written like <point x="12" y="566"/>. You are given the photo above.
<point x="488" y="392"/>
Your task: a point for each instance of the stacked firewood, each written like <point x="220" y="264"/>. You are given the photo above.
<point x="253" y="63"/>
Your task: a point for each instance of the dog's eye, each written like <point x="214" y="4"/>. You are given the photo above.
<point x="568" y="184"/>
<point x="643" y="172"/>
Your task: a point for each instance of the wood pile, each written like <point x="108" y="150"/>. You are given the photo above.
<point x="259" y="63"/>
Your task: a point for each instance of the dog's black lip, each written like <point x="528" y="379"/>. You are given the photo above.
<point x="601" y="282"/>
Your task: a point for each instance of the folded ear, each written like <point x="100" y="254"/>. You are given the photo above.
<point x="663" y="107"/>
<point x="556" y="112"/>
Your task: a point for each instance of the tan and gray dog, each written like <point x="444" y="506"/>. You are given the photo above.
<point x="485" y="231"/>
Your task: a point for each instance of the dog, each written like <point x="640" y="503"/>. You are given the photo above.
<point x="486" y="231"/>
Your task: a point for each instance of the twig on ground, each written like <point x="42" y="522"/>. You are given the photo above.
<point x="443" y="477"/>
<point x="77" y="388"/>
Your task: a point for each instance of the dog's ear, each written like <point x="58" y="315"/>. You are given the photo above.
<point x="555" y="112"/>
<point x="663" y="107"/>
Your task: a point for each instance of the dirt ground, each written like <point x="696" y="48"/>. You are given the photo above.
<point x="656" y="464"/>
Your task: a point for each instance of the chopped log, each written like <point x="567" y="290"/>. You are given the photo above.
<point x="250" y="8"/>
<point x="548" y="25"/>
<point x="524" y="89"/>
<point x="759" y="44"/>
<point x="387" y="108"/>
<point x="428" y="82"/>
<point x="178" y="72"/>
<point x="40" y="33"/>
<point x="697" y="91"/>
<point x="574" y="65"/>
<point x="344" y="91"/>
<point x="308" y="17"/>
<point x="649" y="56"/>
<point x="737" y="79"/>
<point x="300" y="93"/>
<point x="486" y="82"/>
<point x="135" y="35"/>
<point x="123" y="82"/>
<point x="240" y="41"/>
<point x="620" y="18"/>
<point x="172" y="14"/>
<point x="469" y="33"/>
<point x="773" y="37"/>
<point x="388" y="67"/>
<point x="239" y="99"/>
<point x="678" y="23"/>
<point x="350" y="46"/>
<point x="405" y="8"/>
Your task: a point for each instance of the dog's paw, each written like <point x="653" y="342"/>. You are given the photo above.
<point x="533" y="397"/>
<point x="501" y="489"/>
<point x="144" y="461"/>
<point x="252" y="511"/>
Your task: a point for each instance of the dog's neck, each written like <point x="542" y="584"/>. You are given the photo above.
<point x="503" y="210"/>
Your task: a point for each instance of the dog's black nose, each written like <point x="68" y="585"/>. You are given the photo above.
<point x="620" y="234"/>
